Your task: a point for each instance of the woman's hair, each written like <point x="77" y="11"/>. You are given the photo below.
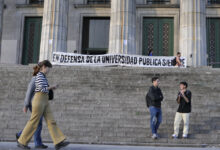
<point x="37" y="68"/>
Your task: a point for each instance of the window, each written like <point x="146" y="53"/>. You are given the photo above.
<point x="31" y="41"/>
<point x="36" y="1"/>
<point x="98" y="1"/>
<point x="213" y="1"/>
<point x="95" y="35"/>
<point x="213" y="40"/>
<point x="158" y="1"/>
<point x="158" y="35"/>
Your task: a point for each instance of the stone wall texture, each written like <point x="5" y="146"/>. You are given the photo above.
<point x="106" y="105"/>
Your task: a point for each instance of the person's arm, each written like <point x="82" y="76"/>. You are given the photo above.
<point x="186" y="97"/>
<point x="161" y="96"/>
<point x="151" y="94"/>
<point x="30" y="90"/>
<point x="178" y="61"/>
<point x="178" y="98"/>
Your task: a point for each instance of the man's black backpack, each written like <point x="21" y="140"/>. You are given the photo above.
<point x="173" y="62"/>
<point x="148" y="100"/>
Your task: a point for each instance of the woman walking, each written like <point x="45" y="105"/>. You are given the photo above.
<point x="40" y="106"/>
<point x="27" y="105"/>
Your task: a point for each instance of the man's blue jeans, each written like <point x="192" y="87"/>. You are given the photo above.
<point x="156" y="118"/>
<point x="37" y="134"/>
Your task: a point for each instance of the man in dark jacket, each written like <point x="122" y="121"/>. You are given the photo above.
<point x="154" y="98"/>
<point x="184" y="109"/>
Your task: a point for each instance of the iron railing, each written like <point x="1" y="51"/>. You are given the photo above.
<point x="98" y="1"/>
<point x="36" y="1"/>
<point x="213" y="1"/>
<point x="158" y="1"/>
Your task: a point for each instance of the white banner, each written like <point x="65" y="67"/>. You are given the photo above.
<point x="71" y="59"/>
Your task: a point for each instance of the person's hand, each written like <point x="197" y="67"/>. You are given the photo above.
<point x="25" y="109"/>
<point x="182" y="92"/>
<point x="54" y="87"/>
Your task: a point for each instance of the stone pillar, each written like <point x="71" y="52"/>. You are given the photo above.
<point x="54" y="28"/>
<point x="193" y="32"/>
<point x="1" y="22"/>
<point x="122" y="38"/>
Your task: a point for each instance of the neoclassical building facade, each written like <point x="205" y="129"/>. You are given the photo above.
<point x="31" y="30"/>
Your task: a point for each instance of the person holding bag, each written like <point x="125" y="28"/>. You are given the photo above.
<point x="41" y="107"/>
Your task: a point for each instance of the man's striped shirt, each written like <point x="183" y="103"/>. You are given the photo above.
<point x="41" y="83"/>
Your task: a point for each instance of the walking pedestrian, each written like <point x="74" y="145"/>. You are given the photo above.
<point x="28" y="106"/>
<point x="41" y="107"/>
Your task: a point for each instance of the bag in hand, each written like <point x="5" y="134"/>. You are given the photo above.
<point x="50" y="94"/>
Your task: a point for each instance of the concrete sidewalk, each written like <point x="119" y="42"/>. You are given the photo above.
<point x="13" y="146"/>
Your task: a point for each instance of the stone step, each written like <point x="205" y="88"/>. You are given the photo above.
<point x="107" y="104"/>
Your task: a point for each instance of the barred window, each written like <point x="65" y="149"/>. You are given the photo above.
<point x="98" y="1"/>
<point x="158" y="1"/>
<point x="36" y="1"/>
<point x="213" y="1"/>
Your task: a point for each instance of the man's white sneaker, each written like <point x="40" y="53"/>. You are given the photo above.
<point x="154" y="136"/>
<point x="185" y="136"/>
<point x="174" y="136"/>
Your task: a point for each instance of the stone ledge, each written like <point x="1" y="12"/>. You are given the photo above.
<point x="92" y="5"/>
<point x="29" y="6"/>
<point x="158" y="6"/>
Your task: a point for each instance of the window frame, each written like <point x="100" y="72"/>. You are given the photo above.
<point x="33" y="2"/>
<point x="85" y="42"/>
<point x="98" y="2"/>
<point x="213" y="2"/>
<point x="158" y="2"/>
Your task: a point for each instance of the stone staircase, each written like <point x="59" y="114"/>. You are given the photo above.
<point x="106" y="105"/>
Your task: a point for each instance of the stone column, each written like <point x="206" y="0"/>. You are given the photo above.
<point x="193" y="32"/>
<point x="54" y="28"/>
<point x="1" y="22"/>
<point x="122" y="38"/>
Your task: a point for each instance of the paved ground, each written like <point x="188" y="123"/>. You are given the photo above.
<point x="13" y="146"/>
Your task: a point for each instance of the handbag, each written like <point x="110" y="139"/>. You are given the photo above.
<point x="50" y="95"/>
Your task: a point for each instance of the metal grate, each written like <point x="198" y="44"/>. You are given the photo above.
<point x="213" y="1"/>
<point x="36" y="1"/>
<point x="158" y="1"/>
<point x="98" y="1"/>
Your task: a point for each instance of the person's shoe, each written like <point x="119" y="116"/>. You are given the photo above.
<point x="158" y="136"/>
<point x="17" y="137"/>
<point x="185" y="136"/>
<point x="42" y="146"/>
<point x="154" y="136"/>
<point x="61" y="145"/>
<point x="23" y="146"/>
<point x="174" y="136"/>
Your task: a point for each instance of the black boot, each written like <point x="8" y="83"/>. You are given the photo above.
<point x="61" y="145"/>
<point x="17" y="137"/>
<point x="23" y="146"/>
